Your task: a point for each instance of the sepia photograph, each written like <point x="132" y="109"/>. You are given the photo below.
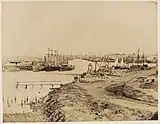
<point x="79" y="61"/>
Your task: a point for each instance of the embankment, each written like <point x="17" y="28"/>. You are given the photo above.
<point x="73" y="103"/>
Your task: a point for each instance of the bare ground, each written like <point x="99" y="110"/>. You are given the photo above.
<point x="125" y="97"/>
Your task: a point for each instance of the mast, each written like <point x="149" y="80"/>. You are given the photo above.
<point x="48" y="56"/>
<point x="143" y="58"/>
<point x="67" y="60"/>
<point x="132" y="60"/>
<point x="104" y="60"/>
<point x="45" y="59"/>
<point x="107" y="60"/>
<point x="63" y="60"/>
<point x="51" y="55"/>
<point x="55" y="56"/>
<point x="138" y="56"/>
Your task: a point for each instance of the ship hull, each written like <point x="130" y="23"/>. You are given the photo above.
<point x="52" y="68"/>
<point x="66" y="68"/>
<point x="26" y="68"/>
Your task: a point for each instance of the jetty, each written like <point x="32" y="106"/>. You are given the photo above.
<point x="40" y="83"/>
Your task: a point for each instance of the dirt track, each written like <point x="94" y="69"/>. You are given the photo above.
<point x="92" y="101"/>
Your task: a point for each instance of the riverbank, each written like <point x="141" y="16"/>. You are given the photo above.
<point x="101" y="100"/>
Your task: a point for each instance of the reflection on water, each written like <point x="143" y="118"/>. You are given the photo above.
<point x="16" y="100"/>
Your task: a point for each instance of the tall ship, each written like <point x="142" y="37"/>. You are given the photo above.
<point x="140" y="62"/>
<point x="52" y="61"/>
<point x="64" y="65"/>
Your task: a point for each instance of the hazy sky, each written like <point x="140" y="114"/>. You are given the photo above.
<point x="29" y="28"/>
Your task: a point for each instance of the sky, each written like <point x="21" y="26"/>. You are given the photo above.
<point x="29" y="28"/>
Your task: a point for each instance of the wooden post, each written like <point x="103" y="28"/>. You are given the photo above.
<point x="25" y="86"/>
<point x="41" y="86"/>
<point x="17" y="84"/>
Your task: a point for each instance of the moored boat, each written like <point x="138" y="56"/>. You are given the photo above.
<point x="52" y="68"/>
<point x="66" y="67"/>
<point x="53" y="62"/>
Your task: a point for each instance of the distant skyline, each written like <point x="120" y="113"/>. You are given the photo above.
<point x="29" y="28"/>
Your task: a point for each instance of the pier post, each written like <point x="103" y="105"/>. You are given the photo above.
<point x="41" y="86"/>
<point x="17" y="84"/>
<point x="25" y="86"/>
<point x="15" y="99"/>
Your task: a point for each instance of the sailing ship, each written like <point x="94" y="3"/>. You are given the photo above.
<point x="140" y="62"/>
<point x="65" y="66"/>
<point x="51" y="60"/>
<point x="54" y="62"/>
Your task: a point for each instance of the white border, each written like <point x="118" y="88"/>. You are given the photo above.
<point x="108" y="122"/>
<point x="1" y="103"/>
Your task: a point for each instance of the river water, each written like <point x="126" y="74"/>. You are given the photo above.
<point x="14" y="99"/>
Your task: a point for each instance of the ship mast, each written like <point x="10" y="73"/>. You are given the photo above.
<point x="48" y="56"/>
<point x="55" y="57"/>
<point x="51" y="52"/>
<point x="132" y="59"/>
<point x="138" y="56"/>
<point x="143" y="58"/>
<point x="45" y="59"/>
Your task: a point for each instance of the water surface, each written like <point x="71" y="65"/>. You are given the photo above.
<point x="14" y="99"/>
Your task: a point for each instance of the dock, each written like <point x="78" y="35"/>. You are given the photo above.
<point x="40" y="83"/>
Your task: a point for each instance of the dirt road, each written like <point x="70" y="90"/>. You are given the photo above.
<point x="91" y="101"/>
